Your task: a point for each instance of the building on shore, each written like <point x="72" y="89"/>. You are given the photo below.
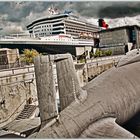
<point x="65" y="23"/>
<point x="8" y="58"/>
<point x="120" y="39"/>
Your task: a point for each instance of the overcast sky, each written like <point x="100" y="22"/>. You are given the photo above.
<point x="15" y="16"/>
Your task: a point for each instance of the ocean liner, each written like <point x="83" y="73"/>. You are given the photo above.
<point x="62" y="23"/>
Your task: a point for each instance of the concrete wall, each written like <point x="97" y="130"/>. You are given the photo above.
<point x="10" y="55"/>
<point x="86" y="72"/>
<point x="94" y="71"/>
<point x="119" y="36"/>
<point x="81" y="73"/>
<point x="116" y="50"/>
<point x="9" y="58"/>
<point x="18" y="85"/>
<point x="118" y="39"/>
<point x="81" y="50"/>
<point x="15" y="90"/>
<point x="13" y="55"/>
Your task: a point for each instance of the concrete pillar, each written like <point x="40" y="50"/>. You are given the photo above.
<point x="137" y="38"/>
<point x="45" y="87"/>
<point x="67" y="81"/>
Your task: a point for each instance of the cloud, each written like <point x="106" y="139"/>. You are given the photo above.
<point x="120" y="9"/>
<point x="11" y="29"/>
<point x="21" y="13"/>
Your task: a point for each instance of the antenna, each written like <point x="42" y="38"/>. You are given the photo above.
<point x="52" y="10"/>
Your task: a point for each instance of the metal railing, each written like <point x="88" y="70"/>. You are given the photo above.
<point x="24" y="101"/>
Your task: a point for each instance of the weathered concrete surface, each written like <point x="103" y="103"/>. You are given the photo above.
<point x="5" y="134"/>
<point x="45" y="88"/>
<point x="113" y="94"/>
<point x="16" y="87"/>
<point x="131" y="57"/>
<point x="67" y="82"/>
<point x="19" y="84"/>
<point x="94" y="67"/>
<point x="24" y="126"/>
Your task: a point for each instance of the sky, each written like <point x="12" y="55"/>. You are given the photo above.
<point x="16" y="15"/>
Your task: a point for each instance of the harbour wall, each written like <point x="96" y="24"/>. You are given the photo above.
<point x="88" y="71"/>
<point x="18" y="86"/>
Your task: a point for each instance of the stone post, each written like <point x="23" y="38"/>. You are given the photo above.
<point x="45" y="88"/>
<point x="137" y="38"/>
<point x="67" y="81"/>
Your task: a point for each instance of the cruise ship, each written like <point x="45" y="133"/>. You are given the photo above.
<point x="63" y="23"/>
<point x="58" y="33"/>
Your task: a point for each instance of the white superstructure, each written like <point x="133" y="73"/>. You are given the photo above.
<point x="65" y="23"/>
<point x="66" y="39"/>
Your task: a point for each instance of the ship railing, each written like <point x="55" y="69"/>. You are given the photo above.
<point x="13" y="36"/>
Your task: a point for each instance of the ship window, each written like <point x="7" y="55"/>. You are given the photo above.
<point x="57" y="29"/>
<point x="58" y="24"/>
